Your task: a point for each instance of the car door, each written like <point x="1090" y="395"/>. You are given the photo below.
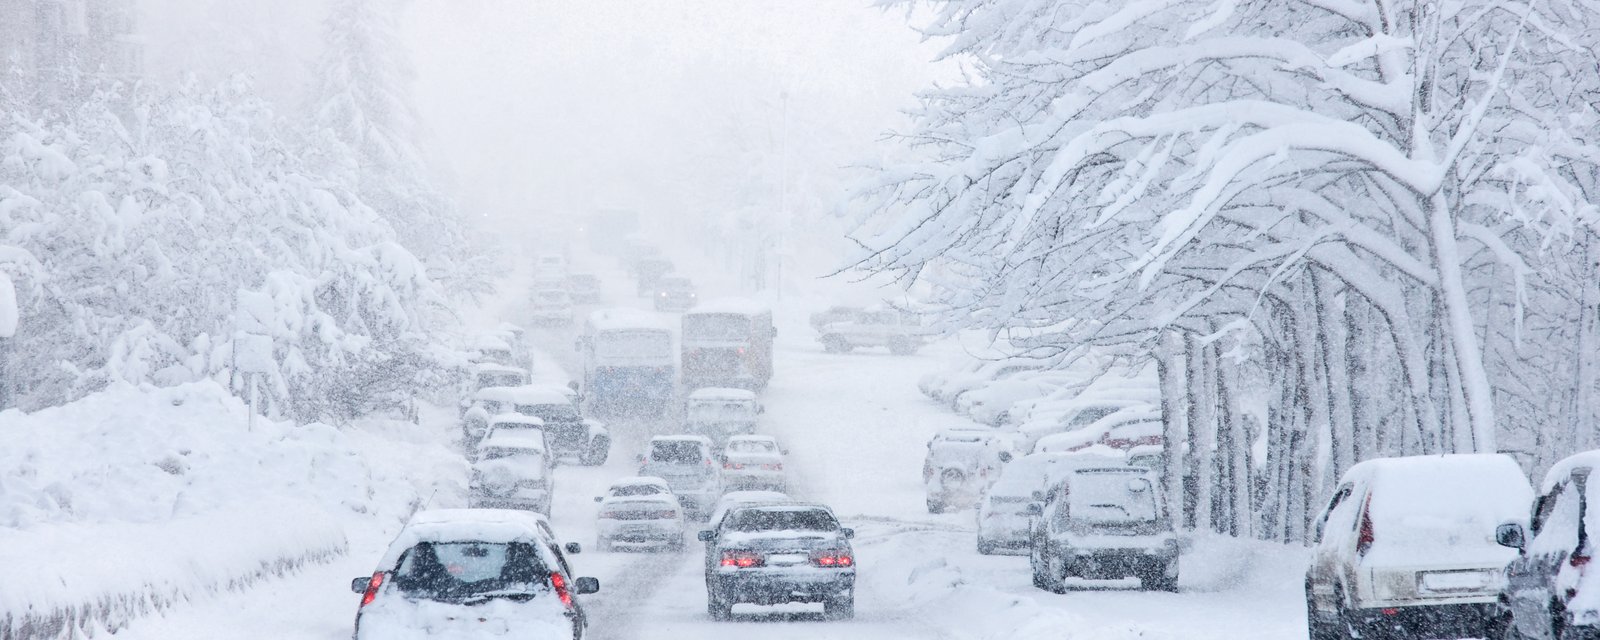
<point x="1530" y="578"/>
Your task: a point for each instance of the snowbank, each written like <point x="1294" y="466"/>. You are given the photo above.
<point x="134" y="498"/>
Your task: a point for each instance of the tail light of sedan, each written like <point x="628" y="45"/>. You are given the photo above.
<point x="833" y="559"/>
<point x="372" y="589"/>
<point x="559" y="583"/>
<point x="743" y="559"/>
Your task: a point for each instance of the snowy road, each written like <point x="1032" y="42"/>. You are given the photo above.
<point x="855" y="426"/>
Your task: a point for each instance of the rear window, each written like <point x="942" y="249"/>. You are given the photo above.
<point x="752" y="520"/>
<point x="637" y="490"/>
<point x="464" y="570"/>
<point x="1111" y="498"/>
<point x="677" y="452"/>
<point x="751" y="446"/>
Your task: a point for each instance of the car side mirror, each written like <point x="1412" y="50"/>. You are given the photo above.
<point x="360" y="585"/>
<point x="573" y="548"/>
<point x="1034" y="510"/>
<point x="585" y="586"/>
<point x="1005" y="456"/>
<point x="706" y="535"/>
<point x="1511" y="535"/>
<point x="847" y="532"/>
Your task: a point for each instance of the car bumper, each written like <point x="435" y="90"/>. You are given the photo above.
<point x="778" y="586"/>
<point x="641" y="530"/>
<point x="1470" y="620"/>
<point x="1121" y="563"/>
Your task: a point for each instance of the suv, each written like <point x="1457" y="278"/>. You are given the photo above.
<point x="901" y="332"/>
<point x="566" y="430"/>
<point x="960" y="466"/>
<point x="777" y="554"/>
<point x="675" y="293"/>
<point x="719" y="413"/>
<point x="1550" y="589"/>
<point x="689" y="467"/>
<point x="584" y="288"/>
<point x="1407" y="545"/>
<point x="551" y="306"/>
<point x="754" y="462"/>
<point x="1103" y="523"/>
<point x="472" y="571"/>
<point x="512" y="471"/>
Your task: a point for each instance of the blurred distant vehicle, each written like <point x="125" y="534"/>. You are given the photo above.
<point x="640" y="514"/>
<point x="584" y="288"/>
<point x="1406" y="549"/>
<point x="778" y="554"/>
<point x="719" y="413"/>
<point x="753" y="462"/>
<point x="550" y="265"/>
<point x="1104" y="522"/>
<point x="992" y="403"/>
<point x="1042" y="419"/>
<point x="837" y="313"/>
<point x="629" y="367"/>
<point x="688" y="464"/>
<point x="568" y="433"/>
<point x="512" y="471"/>
<point x="551" y="306"/>
<point x="1550" y="590"/>
<point x="727" y="343"/>
<point x="649" y="272"/>
<point x="1003" y="518"/>
<point x="675" y="293"/>
<point x="944" y="386"/>
<point x="490" y="374"/>
<point x="471" y="572"/>
<point x="902" y="332"/>
<point x="960" y="466"/>
<point x="637" y="250"/>
<point x="1123" y="429"/>
<point x="508" y="423"/>
<point x="494" y="349"/>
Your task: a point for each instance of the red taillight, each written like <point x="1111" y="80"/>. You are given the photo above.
<point x="559" y="583"/>
<point x="732" y="465"/>
<point x="1365" y="539"/>
<point x="833" y="559"/>
<point x="372" y="589"/>
<point x="742" y="559"/>
<point x="773" y="467"/>
<point x="1578" y="559"/>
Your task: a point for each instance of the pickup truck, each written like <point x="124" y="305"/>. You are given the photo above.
<point x="902" y="332"/>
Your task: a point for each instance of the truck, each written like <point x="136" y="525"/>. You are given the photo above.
<point x="901" y="332"/>
<point x="727" y="343"/>
<point x="628" y="362"/>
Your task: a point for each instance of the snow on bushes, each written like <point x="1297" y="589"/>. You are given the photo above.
<point x="134" y="498"/>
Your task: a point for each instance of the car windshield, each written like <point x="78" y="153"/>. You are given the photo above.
<point x="677" y="452"/>
<point x="637" y="490"/>
<point x="1111" y="498"/>
<point x="634" y="344"/>
<point x="716" y="326"/>
<point x="461" y="570"/>
<point x="755" y="520"/>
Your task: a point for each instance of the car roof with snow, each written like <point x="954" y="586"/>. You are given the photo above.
<point x="969" y="435"/>
<point x="528" y="394"/>
<point x="741" y="306"/>
<point x="468" y="525"/>
<point x="1564" y="468"/>
<point x="721" y="393"/>
<point x="619" y="319"/>
<point x="491" y="342"/>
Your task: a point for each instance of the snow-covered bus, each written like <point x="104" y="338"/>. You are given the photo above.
<point x="727" y="343"/>
<point x="629" y="366"/>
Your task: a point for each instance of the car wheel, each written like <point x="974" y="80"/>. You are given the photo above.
<point x="840" y="608"/>
<point x="1159" y="580"/>
<point x="716" y="607"/>
<point x="833" y="344"/>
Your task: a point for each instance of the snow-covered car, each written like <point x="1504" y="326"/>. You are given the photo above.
<point x="492" y="374"/>
<point x="568" y="433"/>
<point x="512" y="471"/>
<point x="777" y="554"/>
<point x="688" y="465"/>
<point x="550" y="266"/>
<point x="902" y="332"/>
<point x="1551" y="592"/>
<point x="648" y="272"/>
<point x="1003" y="518"/>
<point x="494" y="349"/>
<point x="837" y="313"/>
<point x="1079" y="413"/>
<point x="945" y="386"/>
<point x="584" y="288"/>
<point x="551" y="306"/>
<point x="675" y="293"/>
<point x="733" y="500"/>
<point x="960" y="466"/>
<point x="1149" y="456"/>
<point x="1103" y="522"/>
<point x="641" y="519"/>
<point x="472" y="573"/>
<point x="636" y="486"/>
<point x="753" y="462"/>
<point x="1406" y="547"/>
<point x="719" y="413"/>
<point x="1137" y="426"/>
<point x="991" y="404"/>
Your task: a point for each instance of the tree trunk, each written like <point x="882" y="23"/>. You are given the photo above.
<point x="1463" y="332"/>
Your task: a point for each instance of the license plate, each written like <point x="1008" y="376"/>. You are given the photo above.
<point x="787" y="559"/>
<point x="1457" y="580"/>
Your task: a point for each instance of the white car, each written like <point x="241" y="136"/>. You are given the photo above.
<point x="551" y="306"/>
<point x="689" y="467"/>
<point x="649" y="519"/>
<point x="734" y="499"/>
<point x="753" y="462"/>
<point x="1080" y="413"/>
<point x="991" y="403"/>
<point x="1003" y="518"/>
<point x="636" y="486"/>
<point x="472" y="573"/>
<point x="902" y="332"/>
<point x="512" y="471"/>
<point x="1124" y="429"/>
<point x="960" y="466"/>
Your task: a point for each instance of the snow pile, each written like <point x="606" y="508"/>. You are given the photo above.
<point x="133" y="498"/>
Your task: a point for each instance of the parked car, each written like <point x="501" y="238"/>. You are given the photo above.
<point x="1103" y="522"/>
<point x="461" y="572"/>
<point x="777" y="554"/>
<point x="945" y="386"/>
<point x="991" y="404"/>
<point x="584" y="288"/>
<point x="753" y="462"/>
<point x="641" y="519"/>
<point x="551" y="305"/>
<point x="1550" y="592"/>
<point x="675" y="293"/>
<point x="902" y="332"/>
<point x="1124" y="429"/>
<point x="836" y="313"/>
<point x="1406" y="547"/>
<point x="1086" y="409"/>
<point x="1003" y="518"/>
<point x="636" y="486"/>
<point x="688" y="465"/>
<point x="569" y="433"/>
<point x="512" y="471"/>
<point x="960" y="466"/>
<point x="720" y="413"/>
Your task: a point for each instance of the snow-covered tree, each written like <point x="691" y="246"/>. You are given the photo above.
<point x="1351" y="196"/>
